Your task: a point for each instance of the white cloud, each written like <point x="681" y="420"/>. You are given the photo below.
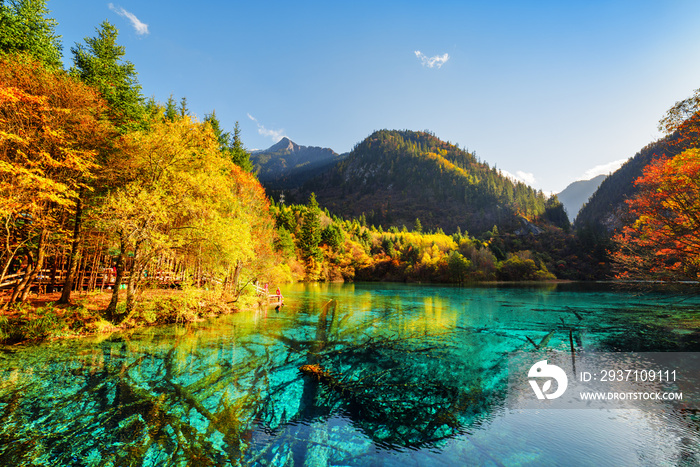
<point x="276" y="135"/>
<point x="603" y="169"/>
<point x="141" y="28"/>
<point x="431" y="62"/>
<point x="526" y="177"/>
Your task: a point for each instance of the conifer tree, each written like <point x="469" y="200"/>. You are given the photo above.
<point x="184" y="110"/>
<point x="310" y="235"/>
<point x="171" y="109"/>
<point x="100" y="63"/>
<point x="239" y="155"/>
<point x="230" y="145"/>
<point x="25" y="27"/>
<point x="418" y="227"/>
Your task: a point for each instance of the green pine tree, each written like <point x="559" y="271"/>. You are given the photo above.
<point x="418" y="227"/>
<point x="99" y="63"/>
<point x="25" y="27"/>
<point x="183" y="110"/>
<point x="231" y="145"/>
<point x="310" y="235"/>
<point x="239" y="155"/>
<point x="171" y="109"/>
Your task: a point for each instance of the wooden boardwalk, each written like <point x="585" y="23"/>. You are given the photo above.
<point x="271" y="298"/>
<point x="84" y="280"/>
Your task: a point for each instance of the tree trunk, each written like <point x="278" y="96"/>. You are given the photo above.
<point x="136" y="271"/>
<point x="9" y="253"/>
<point x="41" y="252"/>
<point x="74" y="257"/>
<point x="6" y="267"/>
<point x="25" y="279"/>
<point x="111" y="310"/>
<point x="236" y="278"/>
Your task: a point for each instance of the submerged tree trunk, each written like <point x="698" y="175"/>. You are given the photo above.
<point x="74" y="257"/>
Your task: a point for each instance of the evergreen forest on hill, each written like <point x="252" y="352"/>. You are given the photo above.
<point x="395" y="176"/>
<point x="104" y="189"/>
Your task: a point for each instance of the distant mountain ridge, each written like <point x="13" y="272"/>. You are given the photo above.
<point x="604" y="211"/>
<point x="286" y="164"/>
<point x="574" y="196"/>
<point x="394" y="177"/>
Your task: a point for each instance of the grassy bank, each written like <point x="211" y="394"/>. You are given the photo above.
<point x="40" y="318"/>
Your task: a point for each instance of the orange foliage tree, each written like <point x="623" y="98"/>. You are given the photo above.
<point x="683" y="119"/>
<point x="51" y="129"/>
<point x="663" y="242"/>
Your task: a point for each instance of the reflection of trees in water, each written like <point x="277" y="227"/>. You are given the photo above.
<point x="190" y="400"/>
<point x="401" y="391"/>
<point x="127" y="411"/>
<point x="665" y="329"/>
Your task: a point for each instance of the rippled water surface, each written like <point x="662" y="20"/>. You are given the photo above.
<point x="352" y="374"/>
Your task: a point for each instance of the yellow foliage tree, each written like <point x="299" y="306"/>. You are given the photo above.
<point x="181" y="196"/>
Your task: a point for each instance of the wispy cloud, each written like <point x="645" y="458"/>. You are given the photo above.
<point x="432" y="62"/>
<point x="603" y="169"/>
<point x="276" y="135"/>
<point x="141" y="28"/>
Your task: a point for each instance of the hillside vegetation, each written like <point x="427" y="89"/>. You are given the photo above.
<point x="394" y="177"/>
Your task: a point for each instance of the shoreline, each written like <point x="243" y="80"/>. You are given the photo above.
<point x="40" y="319"/>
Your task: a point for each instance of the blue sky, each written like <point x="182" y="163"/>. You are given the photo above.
<point x="551" y="91"/>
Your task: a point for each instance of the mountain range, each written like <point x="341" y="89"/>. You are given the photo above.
<point x="394" y="177"/>
<point x="574" y="196"/>
<point x="287" y="164"/>
<point x="605" y="210"/>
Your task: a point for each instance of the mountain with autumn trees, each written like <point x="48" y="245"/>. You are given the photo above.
<point x="643" y="220"/>
<point x="394" y="177"/>
<point x="286" y="164"/>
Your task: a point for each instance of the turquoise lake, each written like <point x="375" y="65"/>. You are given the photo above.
<point x="394" y="374"/>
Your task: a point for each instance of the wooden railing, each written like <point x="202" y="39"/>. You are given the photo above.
<point x="271" y="298"/>
<point x="10" y="280"/>
<point x="85" y="280"/>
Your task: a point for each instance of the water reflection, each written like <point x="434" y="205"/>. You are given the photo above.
<point x="391" y="373"/>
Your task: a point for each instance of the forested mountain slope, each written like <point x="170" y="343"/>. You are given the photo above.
<point x="395" y="177"/>
<point x="603" y="212"/>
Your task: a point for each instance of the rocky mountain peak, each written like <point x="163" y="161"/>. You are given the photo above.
<point x="284" y="145"/>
